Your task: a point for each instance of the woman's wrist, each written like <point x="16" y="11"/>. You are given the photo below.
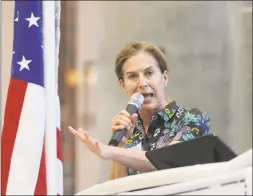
<point x="111" y="152"/>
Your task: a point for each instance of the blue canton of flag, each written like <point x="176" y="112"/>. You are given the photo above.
<point x="27" y="62"/>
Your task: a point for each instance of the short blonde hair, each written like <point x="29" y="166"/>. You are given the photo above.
<point x="135" y="47"/>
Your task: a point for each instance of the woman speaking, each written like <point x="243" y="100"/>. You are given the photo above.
<point x="142" y="68"/>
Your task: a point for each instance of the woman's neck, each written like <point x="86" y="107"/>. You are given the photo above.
<point x="146" y="115"/>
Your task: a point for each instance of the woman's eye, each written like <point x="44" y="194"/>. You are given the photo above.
<point x="131" y="76"/>
<point x="150" y="73"/>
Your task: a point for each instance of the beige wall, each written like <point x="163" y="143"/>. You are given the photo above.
<point x="89" y="34"/>
<point x="7" y="33"/>
<point x="240" y="124"/>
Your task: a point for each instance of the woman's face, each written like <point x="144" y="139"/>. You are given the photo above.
<point x="142" y="74"/>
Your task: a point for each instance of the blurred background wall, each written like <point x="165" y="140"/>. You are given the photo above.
<point x="209" y="48"/>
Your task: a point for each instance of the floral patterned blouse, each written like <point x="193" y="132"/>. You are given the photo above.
<point x="173" y="123"/>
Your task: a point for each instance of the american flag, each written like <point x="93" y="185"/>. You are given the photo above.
<point x="23" y="164"/>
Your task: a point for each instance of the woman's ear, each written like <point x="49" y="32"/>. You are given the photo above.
<point x="122" y="85"/>
<point x="166" y="77"/>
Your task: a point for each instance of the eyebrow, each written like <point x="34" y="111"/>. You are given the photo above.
<point x="150" y="67"/>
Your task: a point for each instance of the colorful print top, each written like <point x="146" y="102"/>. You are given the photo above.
<point x="173" y="123"/>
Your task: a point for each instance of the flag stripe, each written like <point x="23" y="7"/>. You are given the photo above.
<point x="28" y="145"/>
<point x="58" y="130"/>
<point x="59" y="150"/>
<point x="59" y="173"/>
<point x="41" y="186"/>
<point x="14" y="103"/>
<point x="59" y="146"/>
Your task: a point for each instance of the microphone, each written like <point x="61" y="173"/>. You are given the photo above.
<point x="134" y="104"/>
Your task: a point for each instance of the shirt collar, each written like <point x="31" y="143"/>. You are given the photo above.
<point x="168" y="112"/>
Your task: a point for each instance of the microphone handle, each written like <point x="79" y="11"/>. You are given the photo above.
<point x="117" y="135"/>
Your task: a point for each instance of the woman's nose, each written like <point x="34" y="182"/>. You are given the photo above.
<point x="142" y="82"/>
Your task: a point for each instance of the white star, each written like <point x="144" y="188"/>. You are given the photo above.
<point x="16" y="19"/>
<point x="33" y="20"/>
<point x="24" y="64"/>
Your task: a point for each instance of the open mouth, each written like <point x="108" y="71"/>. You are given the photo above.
<point x="148" y="95"/>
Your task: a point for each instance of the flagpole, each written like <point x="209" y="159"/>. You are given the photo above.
<point x="50" y="94"/>
<point x="60" y="190"/>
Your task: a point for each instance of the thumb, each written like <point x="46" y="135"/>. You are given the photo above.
<point x="133" y="118"/>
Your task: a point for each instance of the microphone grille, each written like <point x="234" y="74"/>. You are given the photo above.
<point x="136" y="99"/>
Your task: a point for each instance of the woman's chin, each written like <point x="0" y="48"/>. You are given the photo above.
<point x="152" y="106"/>
<point x="147" y="106"/>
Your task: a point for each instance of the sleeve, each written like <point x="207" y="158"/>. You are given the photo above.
<point x="194" y="124"/>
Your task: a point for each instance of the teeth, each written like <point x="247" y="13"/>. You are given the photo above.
<point x="148" y="95"/>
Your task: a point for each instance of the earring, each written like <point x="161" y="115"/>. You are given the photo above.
<point x="165" y="85"/>
<point x="125" y="91"/>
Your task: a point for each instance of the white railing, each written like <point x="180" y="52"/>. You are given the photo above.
<point x="232" y="177"/>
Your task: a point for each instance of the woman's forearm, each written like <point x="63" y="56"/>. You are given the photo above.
<point x="132" y="159"/>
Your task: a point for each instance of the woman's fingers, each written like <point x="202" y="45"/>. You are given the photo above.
<point x="71" y="129"/>
<point x="101" y="150"/>
<point x="122" y="120"/>
<point x="82" y="135"/>
<point x="89" y="140"/>
<point x="76" y="133"/>
<point x="117" y="127"/>
<point x="134" y="118"/>
<point x="125" y="113"/>
<point x="129" y="133"/>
